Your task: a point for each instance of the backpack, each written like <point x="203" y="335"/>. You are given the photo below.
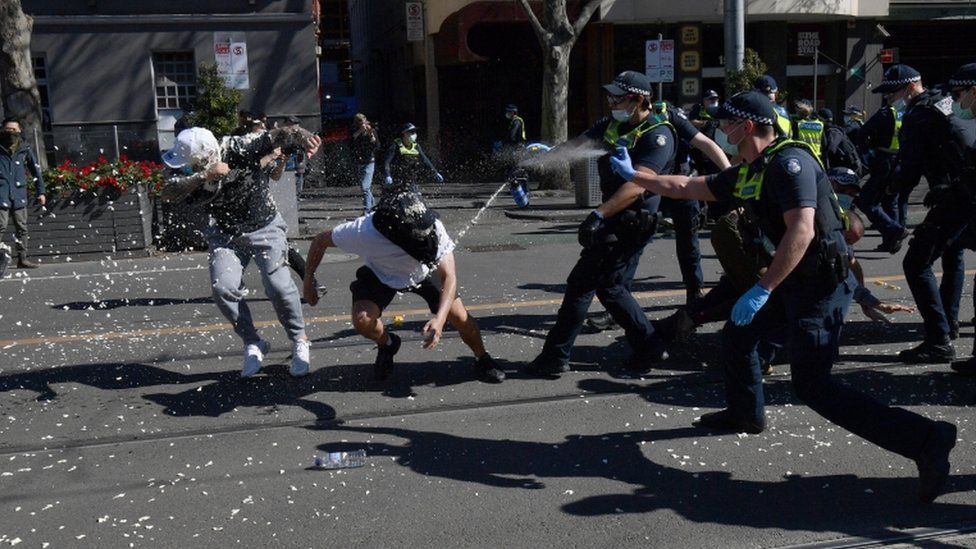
<point x="840" y="152"/>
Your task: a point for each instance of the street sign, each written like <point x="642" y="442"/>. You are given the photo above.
<point x="659" y="60"/>
<point x="415" y="22"/>
<point x="888" y="56"/>
<point x="807" y="43"/>
<point x="230" y="56"/>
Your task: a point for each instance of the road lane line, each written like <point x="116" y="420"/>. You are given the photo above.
<point x="175" y="330"/>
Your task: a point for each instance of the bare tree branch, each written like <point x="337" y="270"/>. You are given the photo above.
<point x="588" y="10"/>
<point x="541" y="33"/>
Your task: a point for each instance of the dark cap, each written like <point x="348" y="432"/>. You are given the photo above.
<point x="766" y="84"/>
<point x="965" y="76"/>
<point x="748" y="105"/>
<point x="511" y="108"/>
<point x="853" y="109"/>
<point x="629" y="82"/>
<point x="844" y="177"/>
<point x="896" y="78"/>
<point x="408" y="127"/>
<point x="292" y="120"/>
<point x="826" y="115"/>
<point x="710" y="94"/>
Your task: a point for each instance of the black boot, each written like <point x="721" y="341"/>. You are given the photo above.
<point x="384" y="357"/>
<point x="24" y="263"/>
<point x="929" y="353"/>
<point x="933" y="461"/>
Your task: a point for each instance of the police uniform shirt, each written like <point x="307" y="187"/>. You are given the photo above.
<point x="790" y="182"/>
<point x="876" y="132"/>
<point x="925" y="130"/>
<point x="654" y="150"/>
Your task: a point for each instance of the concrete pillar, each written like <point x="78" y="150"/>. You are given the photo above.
<point x="863" y="45"/>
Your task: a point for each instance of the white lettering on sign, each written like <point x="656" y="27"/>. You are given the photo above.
<point x="415" y="22"/>
<point x="807" y="43"/>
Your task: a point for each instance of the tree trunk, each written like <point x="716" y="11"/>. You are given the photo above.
<point x="555" y="94"/>
<point x="17" y="85"/>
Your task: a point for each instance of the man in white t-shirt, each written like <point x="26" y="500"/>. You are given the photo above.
<point x="423" y="249"/>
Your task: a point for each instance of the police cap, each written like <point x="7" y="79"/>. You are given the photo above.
<point x="964" y="77"/>
<point x="511" y="108"/>
<point x="825" y="114"/>
<point x="408" y="127"/>
<point x="896" y="78"/>
<point x="748" y="105"/>
<point x="630" y="82"/>
<point x="710" y="94"/>
<point x="853" y="110"/>
<point x="766" y="84"/>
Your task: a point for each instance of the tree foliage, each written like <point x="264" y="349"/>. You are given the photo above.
<point x="216" y="105"/>
<point x="752" y="67"/>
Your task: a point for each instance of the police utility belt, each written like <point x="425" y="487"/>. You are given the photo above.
<point x="635" y="222"/>
<point x="827" y="261"/>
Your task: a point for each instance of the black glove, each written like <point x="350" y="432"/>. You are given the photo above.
<point x="589" y="229"/>
<point x="935" y="195"/>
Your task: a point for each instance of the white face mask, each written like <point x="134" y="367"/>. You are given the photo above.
<point x="961" y="111"/>
<point x="412" y="137"/>
<point x="622" y="115"/>
<point x="509" y="115"/>
<point x="722" y="141"/>
<point x="900" y="104"/>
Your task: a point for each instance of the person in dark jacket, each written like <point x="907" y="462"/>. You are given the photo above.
<point x="363" y="144"/>
<point x="16" y="160"/>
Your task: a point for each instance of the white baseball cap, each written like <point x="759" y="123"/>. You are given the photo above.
<point x="193" y="146"/>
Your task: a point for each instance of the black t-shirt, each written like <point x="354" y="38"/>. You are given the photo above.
<point x="655" y="150"/>
<point x="363" y="148"/>
<point x="877" y="131"/>
<point x="793" y="180"/>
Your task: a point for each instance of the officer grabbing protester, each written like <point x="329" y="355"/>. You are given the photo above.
<point x="788" y="198"/>
<point x="613" y="236"/>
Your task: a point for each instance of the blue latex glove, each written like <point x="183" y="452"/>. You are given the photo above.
<point x="389" y="181"/>
<point x="439" y="177"/>
<point x="621" y="165"/>
<point x="749" y="304"/>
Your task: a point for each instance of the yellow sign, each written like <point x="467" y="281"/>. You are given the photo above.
<point x="690" y="61"/>
<point x="690" y="87"/>
<point x="689" y="35"/>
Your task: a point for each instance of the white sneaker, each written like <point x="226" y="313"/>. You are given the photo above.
<point x="253" y="355"/>
<point x="299" y="358"/>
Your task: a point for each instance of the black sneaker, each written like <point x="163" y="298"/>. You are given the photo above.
<point x="928" y="353"/>
<point x="488" y="370"/>
<point x="598" y="323"/>
<point x="897" y="242"/>
<point x="693" y="295"/>
<point x="933" y="461"/>
<point x="545" y="368"/>
<point x="642" y="362"/>
<point x="953" y="330"/>
<point x="965" y="367"/>
<point x="384" y="358"/>
<point x="723" y="420"/>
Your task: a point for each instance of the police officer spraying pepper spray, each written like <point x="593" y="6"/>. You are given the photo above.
<point x="613" y="236"/>
<point x="405" y="162"/>
<point x="789" y="199"/>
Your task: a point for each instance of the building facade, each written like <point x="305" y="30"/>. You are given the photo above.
<point x="115" y="75"/>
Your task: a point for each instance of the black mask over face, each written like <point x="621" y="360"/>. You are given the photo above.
<point x="9" y="140"/>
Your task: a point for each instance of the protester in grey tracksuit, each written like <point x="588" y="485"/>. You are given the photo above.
<point x="17" y="163"/>
<point x="245" y="225"/>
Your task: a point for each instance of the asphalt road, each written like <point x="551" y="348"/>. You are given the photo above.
<point x="123" y="422"/>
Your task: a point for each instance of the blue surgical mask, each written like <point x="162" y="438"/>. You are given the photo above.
<point x="900" y="105"/>
<point x="622" y="115"/>
<point x="722" y="141"/>
<point x="845" y="201"/>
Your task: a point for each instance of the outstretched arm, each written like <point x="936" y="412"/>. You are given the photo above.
<point x="316" y="251"/>
<point x="673" y="186"/>
<point x="448" y="273"/>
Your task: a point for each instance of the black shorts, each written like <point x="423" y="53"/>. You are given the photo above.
<point x="367" y="287"/>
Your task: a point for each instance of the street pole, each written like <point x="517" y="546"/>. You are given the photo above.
<point x="660" y="84"/>
<point x="735" y="35"/>
<point x="115" y="133"/>
<point x="816" y="60"/>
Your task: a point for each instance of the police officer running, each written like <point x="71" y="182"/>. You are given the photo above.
<point x="405" y="161"/>
<point x="789" y="198"/>
<point x="613" y="236"/>
<point x="878" y="139"/>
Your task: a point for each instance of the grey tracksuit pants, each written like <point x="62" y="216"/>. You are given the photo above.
<point x="229" y="255"/>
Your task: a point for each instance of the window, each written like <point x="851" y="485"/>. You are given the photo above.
<point x="176" y="80"/>
<point x="334" y="38"/>
<point x="40" y="76"/>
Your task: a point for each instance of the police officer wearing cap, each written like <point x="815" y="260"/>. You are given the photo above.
<point x="405" y="162"/>
<point x="766" y="85"/>
<point x="515" y="136"/>
<point x="932" y="144"/>
<point x="613" y="236"/>
<point x="879" y="139"/>
<point x="853" y="120"/>
<point x="699" y="115"/>
<point x="937" y="141"/>
<point x="787" y="195"/>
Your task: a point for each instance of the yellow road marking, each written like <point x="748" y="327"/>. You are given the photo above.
<point x="175" y="330"/>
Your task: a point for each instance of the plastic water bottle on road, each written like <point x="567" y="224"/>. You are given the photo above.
<point x="341" y="460"/>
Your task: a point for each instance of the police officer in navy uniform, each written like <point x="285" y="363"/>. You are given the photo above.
<point x="699" y="114"/>
<point x="787" y="196"/>
<point x="879" y="141"/>
<point x="766" y="85"/>
<point x="932" y="144"/>
<point x="405" y="162"/>
<point x="515" y="135"/>
<point x="613" y="236"/>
